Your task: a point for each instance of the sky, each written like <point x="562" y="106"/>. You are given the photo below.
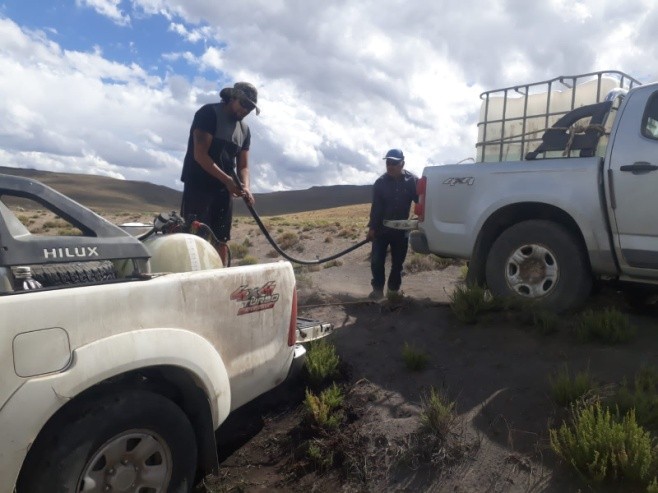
<point x="110" y="87"/>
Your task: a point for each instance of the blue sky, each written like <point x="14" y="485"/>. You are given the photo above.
<point x="110" y="86"/>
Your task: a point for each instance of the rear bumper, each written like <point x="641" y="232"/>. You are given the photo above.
<point x="298" y="359"/>
<point x="310" y="330"/>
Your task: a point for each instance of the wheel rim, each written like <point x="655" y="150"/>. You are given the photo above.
<point x="532" y="271"/>
<point x="136" y="461"/>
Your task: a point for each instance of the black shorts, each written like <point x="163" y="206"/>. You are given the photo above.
<point x="214" y="208"/>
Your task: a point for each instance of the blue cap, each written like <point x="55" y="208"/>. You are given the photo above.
<point x="394" y="154"/>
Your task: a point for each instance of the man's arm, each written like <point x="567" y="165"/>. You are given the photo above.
<point x="202" y="143"/>
<point x="376" y="212"/>
<point x="243" y="173"/>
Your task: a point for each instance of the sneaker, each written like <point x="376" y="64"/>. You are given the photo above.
<point x="376" y="294"/>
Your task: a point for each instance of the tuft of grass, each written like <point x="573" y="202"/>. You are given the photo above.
<point x="287" y="240"/>
<point x="469" y="302"/>
<point x="545" y="322"/>
<point x="333" y="263"/>
<point x="324" y="410"/>
<point x="272" y="254"/>
<point x="247" y="243"/>
<point x="608" y="325"/>
<point x="437" y="413"/>
<point x="320" y="454"/>
<point x="303" y="280"/>
<point x="417" y="262"/>
<point x="238" y="250"/>
<point x="321" y="362"/>
<point x="248" y="260"/>
<point x="565" y="390"/>
<point x="414" y="359"/>
<point x="642" y="396"/>
<point x="601" y="446"/>
<point x="329" y="239"/>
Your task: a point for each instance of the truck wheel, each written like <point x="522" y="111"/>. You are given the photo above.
<point x="542" y="261"/>
<point x="73" y="273"/>
<point x="135" y="441"/>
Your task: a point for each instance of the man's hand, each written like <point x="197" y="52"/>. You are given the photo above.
<point x="370" y="235"/>
<point x="233" y="188"/>
<point x="248" y="196"/>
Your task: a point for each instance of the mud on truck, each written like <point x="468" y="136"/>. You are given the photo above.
<point x="120" y="356"/>
<point x="562" y="193"/>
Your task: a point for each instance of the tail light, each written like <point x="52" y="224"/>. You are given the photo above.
<point x="292" y="329"/>
<point x="419" y="208"/>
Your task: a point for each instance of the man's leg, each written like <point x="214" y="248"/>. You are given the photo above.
<point x="222" y="249"/>
<point x="377" y="261"/>
<point x="399" y="246"/>
<point x="222" y="216"/>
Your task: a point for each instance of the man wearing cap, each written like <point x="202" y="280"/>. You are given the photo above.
<point x="392" y="195"/>
<point x="218" y="141"/>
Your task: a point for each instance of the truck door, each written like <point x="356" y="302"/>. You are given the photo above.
<point x="632" y="180"/>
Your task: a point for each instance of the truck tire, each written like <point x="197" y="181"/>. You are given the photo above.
<point x="73" y="273"/>
<point x="134" y="441"/>
<point x="542" y="261"/>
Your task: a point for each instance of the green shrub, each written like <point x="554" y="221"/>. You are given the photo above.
<point x="333" y="263"/>
<point x="324" y="410"/>
<point x="469" y="302"/>
<point x="238" y="250"/>
<point x="417" y="262"/>
<point x="320" y="454"/>
<point x="653" y="486"/>
<point x="287" y="240"/>
<point x="608" y="325"/>
<point x="602" y="446"/>
<point x="565" y="390"/>
<point x="642" y="396"/>
<point x="437" y="413"/>
<point x="247" y="243"/>
<point x="248" y="260"/>
<point x="414" y="359"/>
<point x="321" y="362"/>
<point x="545" y="322"/>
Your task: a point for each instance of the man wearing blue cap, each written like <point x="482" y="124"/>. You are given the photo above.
<point x="392" y="195"/>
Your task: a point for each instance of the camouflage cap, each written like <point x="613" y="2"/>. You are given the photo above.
<point x="244" y="91"/>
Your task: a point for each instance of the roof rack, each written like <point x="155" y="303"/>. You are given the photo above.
<point x="513" y="119"/>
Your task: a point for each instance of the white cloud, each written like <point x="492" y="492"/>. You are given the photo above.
<point x="107" y="8"/>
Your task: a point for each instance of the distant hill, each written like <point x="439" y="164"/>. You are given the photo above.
<point x="109" y="194"/>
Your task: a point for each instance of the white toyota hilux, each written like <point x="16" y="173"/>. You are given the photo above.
<point x="121" y="356"/>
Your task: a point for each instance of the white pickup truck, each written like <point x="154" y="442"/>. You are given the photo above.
<point x="118" y="363"/>
<point x="571" y="196"/>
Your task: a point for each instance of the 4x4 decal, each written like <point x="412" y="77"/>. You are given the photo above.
<point x="255" y="299"/>
<point x="463" y="180"/>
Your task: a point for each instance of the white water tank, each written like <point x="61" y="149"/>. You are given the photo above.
<point x="181" y="252"/>
<point x="536" y="120"/>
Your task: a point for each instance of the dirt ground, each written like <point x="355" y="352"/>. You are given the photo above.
<point x="496" y="371"/>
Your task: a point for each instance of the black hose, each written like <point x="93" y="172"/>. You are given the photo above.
<point x="273" y="243"/>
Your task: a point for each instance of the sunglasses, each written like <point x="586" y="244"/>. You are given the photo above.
<point x="247" y="105"/>
<point x="393" y="162"/>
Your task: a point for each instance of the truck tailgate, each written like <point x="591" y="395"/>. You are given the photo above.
<point x="310" y="330"/>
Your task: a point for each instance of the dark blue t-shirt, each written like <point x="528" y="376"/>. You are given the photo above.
<point x="230" y="136"/>
<point x="391" y="199"/>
